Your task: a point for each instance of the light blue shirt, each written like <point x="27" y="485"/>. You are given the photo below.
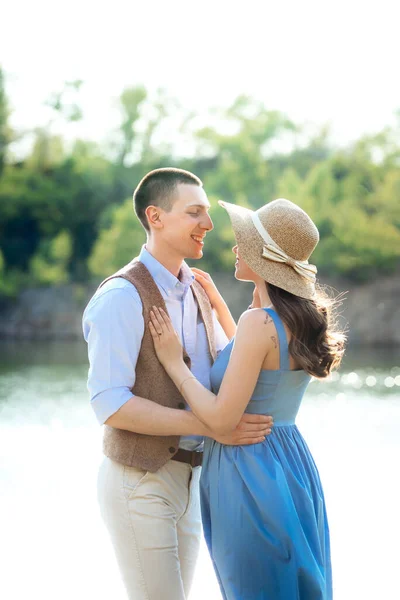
<point x="113" y="328"/>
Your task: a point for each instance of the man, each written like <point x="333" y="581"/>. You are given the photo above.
<point x="148" y="482"/>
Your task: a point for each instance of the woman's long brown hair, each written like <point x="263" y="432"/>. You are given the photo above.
<point x="317" y="343"/>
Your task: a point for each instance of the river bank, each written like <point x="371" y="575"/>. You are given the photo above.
<point x="371" y="311"/>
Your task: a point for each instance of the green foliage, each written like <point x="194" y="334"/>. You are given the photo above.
<point x="47" y="151"/>
<point x="64" y="214"/>
<point x="242" y="169"/>
<point x="63" y="102"/>
<point x="356" y="209"/>
<point x="4" y="130"/>
<point x="131" y="101"/>
<point x="12" y="281"/>
<point x="117" y="244"/>
<point x="50" y="264"/>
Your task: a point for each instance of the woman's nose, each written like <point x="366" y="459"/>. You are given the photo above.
<point x="234" y="249"/>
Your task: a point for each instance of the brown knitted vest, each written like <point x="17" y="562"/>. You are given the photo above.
<point x="151" y="452"/>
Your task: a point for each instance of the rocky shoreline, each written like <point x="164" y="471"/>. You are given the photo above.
<point x="371" y="310"/>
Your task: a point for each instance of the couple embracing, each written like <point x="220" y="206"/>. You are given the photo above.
<point x="199" y="411"/>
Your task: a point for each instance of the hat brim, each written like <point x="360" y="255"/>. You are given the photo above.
<point x="251" y="246"/>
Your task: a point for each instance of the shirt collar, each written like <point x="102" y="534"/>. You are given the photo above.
<point x="163" y="278"/>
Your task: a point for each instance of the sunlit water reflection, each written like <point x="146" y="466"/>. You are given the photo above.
<point x="53" y="544"/>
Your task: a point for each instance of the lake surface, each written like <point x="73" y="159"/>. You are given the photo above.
<point x="52" y="542"/>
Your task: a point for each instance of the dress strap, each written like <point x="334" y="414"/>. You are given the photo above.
<point x="283" y="343"/>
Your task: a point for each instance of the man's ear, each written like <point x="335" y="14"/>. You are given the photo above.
<point x="153" y="214"/>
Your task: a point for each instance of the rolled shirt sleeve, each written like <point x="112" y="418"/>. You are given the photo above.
<point x="113" y="329"/>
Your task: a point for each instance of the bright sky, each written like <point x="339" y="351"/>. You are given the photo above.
<point x="318" y="61"/>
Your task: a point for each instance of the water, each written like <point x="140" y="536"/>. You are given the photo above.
<point x="52" y="540"/>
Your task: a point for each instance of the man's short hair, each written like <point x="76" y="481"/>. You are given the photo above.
<point x="157" y="189"/>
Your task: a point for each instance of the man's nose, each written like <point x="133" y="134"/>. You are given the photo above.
<point x="234" y="249"/>
<point x="207" y="224"/>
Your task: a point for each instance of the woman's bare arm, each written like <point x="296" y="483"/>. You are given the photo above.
<point x="144" y="416"/>
<point x="224" y="411"/>
<point x="219" y="305"/>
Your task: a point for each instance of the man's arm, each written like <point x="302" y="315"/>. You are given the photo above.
<point x="144" y="416"/>
<point x="113" y="328"/>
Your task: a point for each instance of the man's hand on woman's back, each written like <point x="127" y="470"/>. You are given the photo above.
<point x="252" y="429"/>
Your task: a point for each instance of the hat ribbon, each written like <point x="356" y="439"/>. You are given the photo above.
<point x="272" y="251"/>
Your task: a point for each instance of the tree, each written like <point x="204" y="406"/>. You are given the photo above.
<point x="64" y="102"/>
<point x="5" y="134"/>
<point x="242" y="168"/>
<point x="355" y="211"/>
<point x="118" y="243"/>
<point x="131" y="101"/>
<point x="73" y="200"/>
<point x="50" y="264"/>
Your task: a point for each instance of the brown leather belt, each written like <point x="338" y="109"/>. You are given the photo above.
<point x="189" y="457"/>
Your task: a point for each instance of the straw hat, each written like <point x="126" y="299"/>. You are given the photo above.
<point x="276" y="242"/>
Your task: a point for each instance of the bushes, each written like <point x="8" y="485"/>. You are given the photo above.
<point x="67" y="216"/>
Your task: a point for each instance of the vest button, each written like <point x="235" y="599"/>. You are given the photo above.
<point x="172" y="449"/>
<point x="186" y="359"/>
<point x="181" y="405"/>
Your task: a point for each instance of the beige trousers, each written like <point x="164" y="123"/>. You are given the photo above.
<point x="155" y="526"/>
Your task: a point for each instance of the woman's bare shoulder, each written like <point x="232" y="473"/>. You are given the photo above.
<point x="254" y="316"/>
<point x="256" y="323"/>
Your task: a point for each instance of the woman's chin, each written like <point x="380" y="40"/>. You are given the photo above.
<point x="242" y="276"/>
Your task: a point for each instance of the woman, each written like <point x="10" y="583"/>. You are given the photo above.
<point x="262" y="505"/>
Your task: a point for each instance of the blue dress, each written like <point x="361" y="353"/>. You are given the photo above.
<point x="262" y="505"/>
